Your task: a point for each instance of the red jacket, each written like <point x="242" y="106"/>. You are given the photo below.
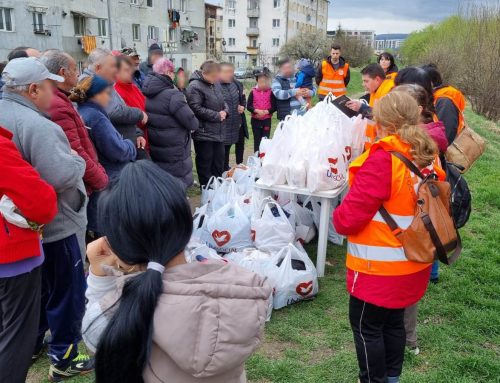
<point x="133" y="97"/>
<point x="34" y="198"/>
<point x="65" y="115"/>
<point x="371" y="187"/>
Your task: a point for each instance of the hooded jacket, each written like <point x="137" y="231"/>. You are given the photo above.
<point x="234" y="97"/>
<point x="208" y="321"/>
<point x="207" y="100"/>
<point x="170" y="124"/>
<point x="44" y="145"/>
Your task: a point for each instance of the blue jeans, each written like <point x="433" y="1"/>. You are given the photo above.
<point x="435" y="270"/>
<point x="63" y="299"/>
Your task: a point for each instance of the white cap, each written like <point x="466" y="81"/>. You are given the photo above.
<point x="27" y="70"/>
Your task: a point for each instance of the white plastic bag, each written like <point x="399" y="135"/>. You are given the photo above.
<point x="272" y="230"/>
<point x="200" y="222"/>
<point x="315" y="205"/>
<point x="358" y="136"/>
<point x="226" y="192"/>
<point x="274" y="163"/>
<point x="305" y="230"/>
<point x="11" y="214"/>
<point x="208" y="190"/>
<point x="293" y="285"/>
<point x="199" y="252"/>
<point x="228" y="229"/>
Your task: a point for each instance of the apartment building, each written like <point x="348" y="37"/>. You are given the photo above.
<point x="79" y="26"/>
<point x="367" y="36"/>
<point x="255" y="30"/>
<point x="389" y="41"/>
<point x="214" y="20"/>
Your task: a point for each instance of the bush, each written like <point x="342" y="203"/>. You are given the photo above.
<point x="355" y="51"/>
<point x="466" y="49"/>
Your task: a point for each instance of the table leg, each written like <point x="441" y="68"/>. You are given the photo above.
<point x="324" y="223"/>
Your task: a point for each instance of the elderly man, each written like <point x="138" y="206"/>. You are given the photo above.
<point x="124" y="118"/>
<point x="28" y="95"/>
<point x="135" y="58"/>
<point x="17" y="53"/>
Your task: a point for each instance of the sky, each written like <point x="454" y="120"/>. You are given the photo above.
<point x="389" y="16"/>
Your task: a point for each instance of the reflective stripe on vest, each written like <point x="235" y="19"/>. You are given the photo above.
<point x="375" y="249"/>
<point x="333" y="81"/>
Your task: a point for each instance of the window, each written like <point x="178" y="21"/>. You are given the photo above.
<point x="153" y="33"/>
<point x="184" y="63"/>
<point x="136" y="32"/>
<point x="277" y="3"/>
<point x="254" y="62"/>
<point x="276" y="23"/>
<point x="254" y="43"/>
<point x="254" y="22"/>
<point x="232" y="59"/>
<point x="276" y="42"/>
<point x="38" y="22"/>
<point x="170" y="4"/>
<point x="134" y="2"/>
<point x="275" y="60"/>
<point x="231" y="4"/>
<point x="149" y="3"/>
<point x="231" y="23"/>
<point x="102" y="27"/>
<point x="172" y="34"/>
<point x="80" y="25"/>
<point x="6" y="23"/>
<point x="183" y="5"/>
<point x="231" y="41"/>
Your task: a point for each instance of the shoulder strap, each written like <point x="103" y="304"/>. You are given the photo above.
<point x="410" y="165"/>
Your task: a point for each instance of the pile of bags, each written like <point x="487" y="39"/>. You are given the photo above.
<point x="312" y="151"/>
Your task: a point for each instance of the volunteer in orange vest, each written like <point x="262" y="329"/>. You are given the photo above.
<point x="333" y="74"/>
<point x="380" y="280"/>
<point x="449" y="102"/>
<point x="388" y="64"/>
<point x="376" y="83"/>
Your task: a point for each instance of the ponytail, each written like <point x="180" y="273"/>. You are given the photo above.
<point x="397" y="112"/>
<point x="124" y="349"/>
<point x="146" y="218"/>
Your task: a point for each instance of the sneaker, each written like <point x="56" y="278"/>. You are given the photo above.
<point x="435" y="280"/>
<point x="81" y="365"/>
<point x="414" y="350"/>
<point x="40" y="350"/>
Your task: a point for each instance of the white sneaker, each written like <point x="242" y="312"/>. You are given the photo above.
<point x="414" y="350"/>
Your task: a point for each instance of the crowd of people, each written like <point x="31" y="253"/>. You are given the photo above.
<point x="71" y="173"/>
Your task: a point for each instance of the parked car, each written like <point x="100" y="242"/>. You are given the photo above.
<point x="242" y="73"/>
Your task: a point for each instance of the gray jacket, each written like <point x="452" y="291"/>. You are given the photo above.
<point x="44" y="145"/>
<point x="123" y="117"/>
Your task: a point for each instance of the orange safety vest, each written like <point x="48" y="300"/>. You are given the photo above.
<point x="333" y="80"/>
<point x="383" y="89"/>
<point x="458" y="100"/>
<point x="375" y="250"/>
<point x="392" y="76"/>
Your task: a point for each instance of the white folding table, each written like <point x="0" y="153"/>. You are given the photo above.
<point x="326" y="198"/>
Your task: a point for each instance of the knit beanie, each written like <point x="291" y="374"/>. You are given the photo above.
<point x="155" y="48"/>
<point x="98" y="85"/>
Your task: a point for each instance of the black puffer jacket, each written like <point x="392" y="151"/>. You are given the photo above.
<point x="207" y="100"/>
<point x="234" y="97"/>
<point x="169" y="127"/>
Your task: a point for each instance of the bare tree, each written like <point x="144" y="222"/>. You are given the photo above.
<point x="312" y="46"/>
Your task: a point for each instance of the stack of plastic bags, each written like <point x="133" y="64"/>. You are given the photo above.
<point x="312" y="151"/>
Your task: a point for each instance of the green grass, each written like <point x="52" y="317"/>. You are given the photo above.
<point x="458" y="322"/>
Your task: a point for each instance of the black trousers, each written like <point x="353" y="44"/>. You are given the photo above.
<point x="260" y="129"/>
<point x="209" y="160"/>
<point x="239" y="150"/>
<point x="19" y="315"/>
<point x="379" y="336"/>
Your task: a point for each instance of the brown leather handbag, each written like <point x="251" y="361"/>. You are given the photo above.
<point x="432" y="234"/>
<point x="467" y="147"/>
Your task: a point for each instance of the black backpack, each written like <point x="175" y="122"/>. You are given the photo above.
<point x="461" y="199"/>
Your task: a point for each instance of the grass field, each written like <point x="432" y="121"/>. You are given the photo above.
<point x="459" y="318"/>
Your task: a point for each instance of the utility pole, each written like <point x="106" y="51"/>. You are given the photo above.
<point x="108" y="3"/>
<point x="286" y="18"/>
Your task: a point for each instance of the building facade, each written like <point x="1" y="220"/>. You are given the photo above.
<point x="255" y="30"/>
<point x="391" y="41"/>
<point x="214" y="20"/>
<point x="367" y="36"/>
<point x="78" y="26"/>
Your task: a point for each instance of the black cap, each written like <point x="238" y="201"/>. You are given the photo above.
<point x="155" y="48"/>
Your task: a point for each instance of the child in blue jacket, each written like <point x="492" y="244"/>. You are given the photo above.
<point x="304" y="79"/>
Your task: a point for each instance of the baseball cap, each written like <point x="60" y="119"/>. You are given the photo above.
<point x="27" y="70"/>
<point x="130" y="52"/>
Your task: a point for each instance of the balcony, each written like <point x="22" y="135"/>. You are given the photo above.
<point x="254" y="12"/>
<point x="252" y="51"/>
<point x="252" y="31"/>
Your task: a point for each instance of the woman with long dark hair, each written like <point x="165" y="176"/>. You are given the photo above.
<point x="388" y="63"/>
<point x="151" y="316"/>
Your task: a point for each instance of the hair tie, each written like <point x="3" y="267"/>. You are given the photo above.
<point x="156" y="267"/>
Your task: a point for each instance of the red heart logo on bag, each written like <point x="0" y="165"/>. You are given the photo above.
<point x="252" y="234"/>
<point x="221" y="237"/>
<point x="333" y="161"/>
<point x="348" y="151"/>
<point x="304" y="289"/>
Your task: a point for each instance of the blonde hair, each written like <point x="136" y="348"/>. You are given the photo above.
<point x="397" y="113"/>
<point x="79" y="93"/>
